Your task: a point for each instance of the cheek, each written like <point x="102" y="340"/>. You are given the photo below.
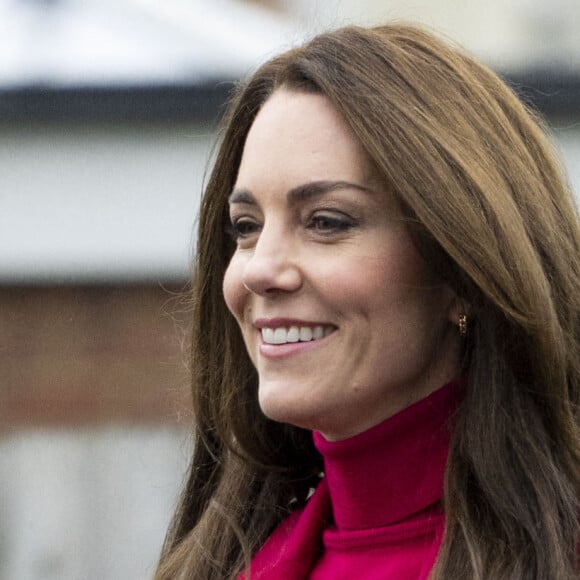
<point x="234" y="289"/>
<point x="394" y="285"/>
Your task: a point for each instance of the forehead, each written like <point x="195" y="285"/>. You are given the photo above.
<point x="299" y="137"/>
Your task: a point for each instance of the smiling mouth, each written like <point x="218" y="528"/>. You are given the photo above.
<point x="282" y="335"/>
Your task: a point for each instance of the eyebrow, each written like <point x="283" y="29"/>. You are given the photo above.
<point x="300" y="193"/>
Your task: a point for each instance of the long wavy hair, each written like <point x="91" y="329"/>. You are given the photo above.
<point x="487" y="202"/>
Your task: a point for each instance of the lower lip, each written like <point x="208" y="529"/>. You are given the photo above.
<point x="281" y="351"/>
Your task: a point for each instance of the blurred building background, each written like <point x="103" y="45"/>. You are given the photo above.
<point x="108" y="111"/>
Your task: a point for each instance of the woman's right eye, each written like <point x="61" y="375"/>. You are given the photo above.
<point x="242" y="228"/>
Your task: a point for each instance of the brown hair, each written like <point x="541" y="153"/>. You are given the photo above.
<point x="484" y="197"/>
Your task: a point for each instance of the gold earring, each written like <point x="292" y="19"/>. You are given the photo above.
<point x="463" y="325"/>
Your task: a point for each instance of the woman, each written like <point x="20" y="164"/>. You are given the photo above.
<point x="388" y="257"/>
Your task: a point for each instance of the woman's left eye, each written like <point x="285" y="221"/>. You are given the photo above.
<point x="330" y="223"/>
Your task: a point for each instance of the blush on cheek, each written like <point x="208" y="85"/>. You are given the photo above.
<point x="362" y="282"/>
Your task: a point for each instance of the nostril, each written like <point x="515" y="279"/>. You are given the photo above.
<point x="270" y="278"/>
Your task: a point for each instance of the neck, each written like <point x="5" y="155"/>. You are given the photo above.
<point x="394" y="469"/>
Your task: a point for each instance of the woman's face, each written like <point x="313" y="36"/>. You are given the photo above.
<point x="339" y="314"/>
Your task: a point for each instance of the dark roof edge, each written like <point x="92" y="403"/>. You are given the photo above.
<point x="553" y="92"/>
<point x="163" y="103"/>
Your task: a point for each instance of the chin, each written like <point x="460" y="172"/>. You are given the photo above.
<point x="279" y="407"/>
<point x="280" y="411"/>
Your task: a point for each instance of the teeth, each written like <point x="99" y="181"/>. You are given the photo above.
<point x="280" y="336"/>
<point x="294" y="334"/>
<point x="268" y="335"/>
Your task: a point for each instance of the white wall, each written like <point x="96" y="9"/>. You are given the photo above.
<point x="568" y="140"/>
<point x="82" y="202"/>
<point x="87" y="505"/>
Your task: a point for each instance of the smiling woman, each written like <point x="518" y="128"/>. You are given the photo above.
<point x="318" y="254"/>
<point x="387" y="320"/>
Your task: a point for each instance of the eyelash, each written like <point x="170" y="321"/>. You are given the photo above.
<point x="234" y="228"/>
<point x="336" y="223"/>
<point x="323" y="224"/>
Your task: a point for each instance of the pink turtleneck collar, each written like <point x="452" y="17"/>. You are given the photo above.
<point x="394" y="469"/>
<point x="378" y="507"/>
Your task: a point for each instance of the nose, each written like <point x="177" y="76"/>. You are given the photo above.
<point x="273" y="265"/>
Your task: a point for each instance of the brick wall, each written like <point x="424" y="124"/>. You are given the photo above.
<point x="92" y="355"/>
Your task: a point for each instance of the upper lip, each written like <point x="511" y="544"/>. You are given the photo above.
<point x="286" y="323"/>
